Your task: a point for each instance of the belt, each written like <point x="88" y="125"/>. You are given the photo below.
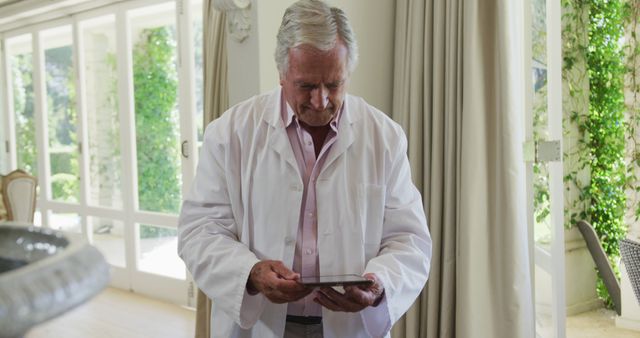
<point x="304" y="320"/>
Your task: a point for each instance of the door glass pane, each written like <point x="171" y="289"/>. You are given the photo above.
<point x="103" y="122"/>
<point x="108" y="237"/>
<point x="155" y="80"/>
<point x="69" y="222"/>
<point x="20" y="57"/>
<point x="61" y="113"/>
<point x="159" y="252"/>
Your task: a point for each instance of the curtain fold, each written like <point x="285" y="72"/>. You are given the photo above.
<point x="458" y="95"/>
<point x="216" y="88"/>
<point x="216" y="101"/>
<point x="494" y="277"/>
<point x="426" y="102"/>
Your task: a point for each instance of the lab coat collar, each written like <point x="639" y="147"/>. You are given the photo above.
<point x="280" y="141"/>
<point x="274" y="117"/>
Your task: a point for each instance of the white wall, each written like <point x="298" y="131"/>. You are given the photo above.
<point x="373" y="23"/>
<point x="269" y="18"/>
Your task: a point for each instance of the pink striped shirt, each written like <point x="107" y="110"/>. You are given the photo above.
<point x="305" y="260"/>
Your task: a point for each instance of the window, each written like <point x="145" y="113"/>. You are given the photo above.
<point x="155" y="83"/>
<point x="99" y="115"/>
<point x="21" y="96"/>
<point x="100" y="85"/>
<point x="61" y="114"/>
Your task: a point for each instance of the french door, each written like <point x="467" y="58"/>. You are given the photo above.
<point x="105" y="108"/>
<point x="543" y="153"/>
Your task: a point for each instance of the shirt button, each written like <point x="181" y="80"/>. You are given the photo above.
<point x="309" y="251"/>
<point x="309" y="143"/>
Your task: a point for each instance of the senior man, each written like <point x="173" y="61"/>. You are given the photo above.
<point x="306" y="180"/>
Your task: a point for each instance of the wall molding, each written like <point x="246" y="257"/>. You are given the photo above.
<point x="238" y="17"/>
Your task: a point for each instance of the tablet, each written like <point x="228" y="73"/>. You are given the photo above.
<point x="337" y="280"/>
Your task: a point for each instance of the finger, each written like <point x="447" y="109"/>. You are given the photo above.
<point x="340" y="300"/>
<point x="286" y="285"/>
<point x="284" y="272"/>
<point x="377" y="284"/>
<point x="285" y="290"/>
<point x="285" y="297"/>
<point x="357" y="295"/>
<point x="279" y="297"/>
<point x="377" y="288"/>
<point x="326" y="302"/>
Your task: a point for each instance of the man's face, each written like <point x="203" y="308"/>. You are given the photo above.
<point x="315" y="83"/>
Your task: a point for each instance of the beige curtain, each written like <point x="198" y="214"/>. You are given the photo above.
<point x="458" y="94"/>
<point x="216" y="89"/>
<point x="216" y="101"/>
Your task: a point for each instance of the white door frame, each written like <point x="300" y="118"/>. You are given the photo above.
<point x="552" y="260"/>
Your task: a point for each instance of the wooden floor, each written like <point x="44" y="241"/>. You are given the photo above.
<point x="116" y="313"/>
<point x="119" y="314"/>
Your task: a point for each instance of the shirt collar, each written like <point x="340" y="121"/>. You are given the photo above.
<point x="289" y="117"/>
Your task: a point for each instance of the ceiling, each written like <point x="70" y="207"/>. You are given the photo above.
<point x="18" y="13"/>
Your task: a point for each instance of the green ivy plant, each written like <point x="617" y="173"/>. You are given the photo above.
<point x="601" y="131"/>
<point x="632" y="105"/>
<point x="155" y="87"/>
<point x="155" y="83"/>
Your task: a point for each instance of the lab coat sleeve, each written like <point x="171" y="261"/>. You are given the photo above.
<point x="209" y="234"/>
<point x="404" y="258"/>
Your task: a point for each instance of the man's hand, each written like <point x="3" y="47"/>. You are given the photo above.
<point x="354" y="298"/>
<point x="276" y="282"/>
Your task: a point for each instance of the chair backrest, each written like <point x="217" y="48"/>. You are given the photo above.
<point x="602" y="262"/>
<point x="630" y="252"/>
<point x="19" y="195"/>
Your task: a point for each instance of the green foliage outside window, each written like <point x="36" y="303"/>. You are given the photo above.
<point x="62" y="122"/>
<point x="23" y="105"/>
<point x="632" y="84"/>
<point x="602" y="129"/>
<point x="155" y="86"/>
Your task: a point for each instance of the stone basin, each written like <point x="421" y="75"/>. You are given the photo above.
<point x="44" y="273"/>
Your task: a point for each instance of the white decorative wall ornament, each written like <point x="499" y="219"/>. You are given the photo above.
<point x="238" y="17"/>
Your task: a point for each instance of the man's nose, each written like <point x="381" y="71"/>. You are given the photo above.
<point x="320" y="98"/>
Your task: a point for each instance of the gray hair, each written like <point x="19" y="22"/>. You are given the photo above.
<point x="315" y="23"/>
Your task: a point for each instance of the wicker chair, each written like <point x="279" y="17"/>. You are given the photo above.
<point x="630" y="251"/>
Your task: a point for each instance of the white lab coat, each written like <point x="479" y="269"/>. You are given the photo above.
<point x="244" y="206"/>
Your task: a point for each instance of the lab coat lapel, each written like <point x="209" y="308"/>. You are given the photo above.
<point x="279" y="140"/>
<point x="345" y="137"/>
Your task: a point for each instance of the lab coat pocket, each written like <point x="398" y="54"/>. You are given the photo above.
<point x="371" y="212"/>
